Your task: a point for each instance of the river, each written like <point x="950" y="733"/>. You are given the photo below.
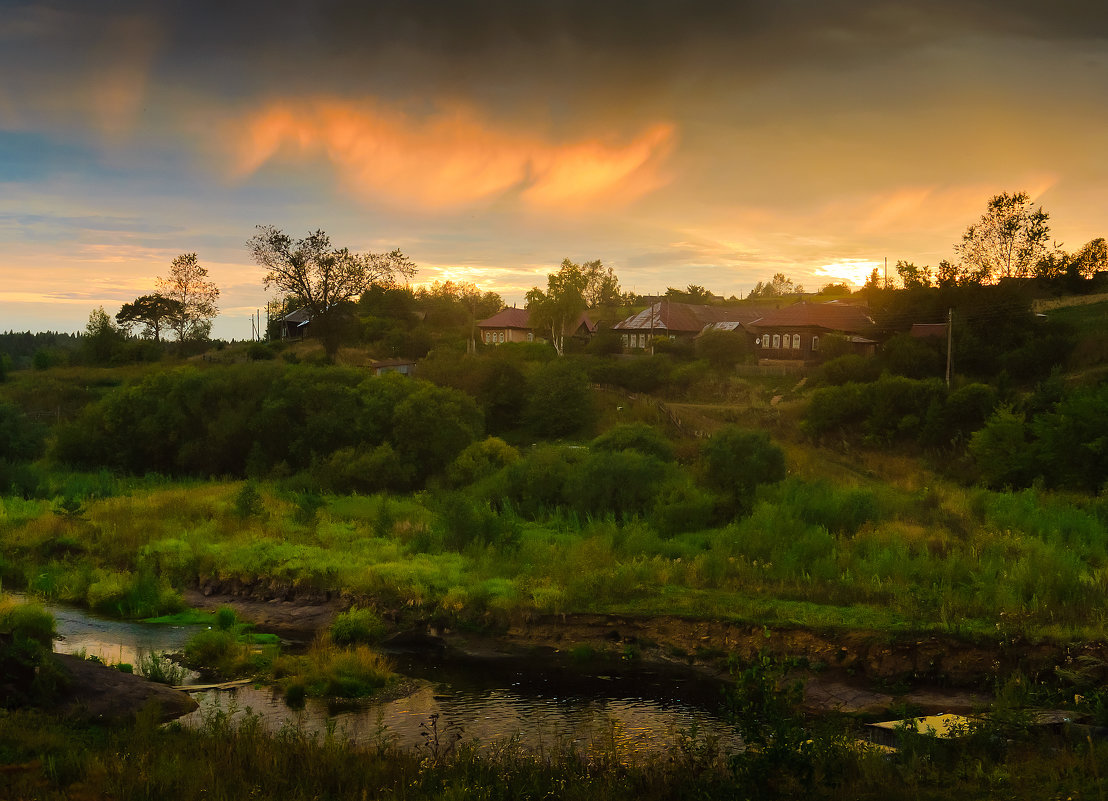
<point x="540" y="702"/>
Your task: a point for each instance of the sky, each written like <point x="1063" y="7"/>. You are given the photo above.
<point x="708" y="143"/>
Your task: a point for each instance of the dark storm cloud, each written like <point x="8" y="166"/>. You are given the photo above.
<point x="568" y="57"/>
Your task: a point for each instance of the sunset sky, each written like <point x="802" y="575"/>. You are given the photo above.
<point x="681" y="143"/>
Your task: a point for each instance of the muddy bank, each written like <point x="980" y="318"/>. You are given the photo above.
<point x="860" y="672"/>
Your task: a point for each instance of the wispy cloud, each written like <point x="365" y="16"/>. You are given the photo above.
<point x="451" y="157"/>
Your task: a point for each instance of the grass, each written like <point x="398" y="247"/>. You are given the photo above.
<point x="825" y="548"/>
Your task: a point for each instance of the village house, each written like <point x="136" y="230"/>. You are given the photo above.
<point x="514" y="325"/>
<point x="795" y="332"/>
<point x="680" y="321"/>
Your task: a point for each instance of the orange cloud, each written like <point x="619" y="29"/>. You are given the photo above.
<point x="450" y="158"/>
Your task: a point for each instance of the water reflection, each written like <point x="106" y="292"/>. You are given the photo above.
<point x="540" y="704"/>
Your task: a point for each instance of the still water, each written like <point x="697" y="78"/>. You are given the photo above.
<point x="540" y="703"/>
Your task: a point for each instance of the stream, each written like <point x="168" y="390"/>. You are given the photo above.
<point x="539" y="703"/>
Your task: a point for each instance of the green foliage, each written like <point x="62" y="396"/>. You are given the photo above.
<point x="680" y="506"/>
<point x="846" y="369"/>
<point x="912" y="357"/>
<point x="21" y="439"/>
<point x="561" y="402"/>
<point x="158" y="667"/>
<point x="248" y="501"/>
<point x="28" y="674"/>
<point x="639" y="437"/>
<point x="536" y="484"/>
<point x="723" y="349"/>
<point x="617" y="482"/>
<point x="480" y="460"/>
<point x="735" y="461"/>
<point x="432" y="426"/>
<point x="357" y="625"/>
<point x="462" y="521"/>
<point x="260" y="352"/>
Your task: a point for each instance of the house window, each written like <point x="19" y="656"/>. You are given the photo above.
<point x="642" y="340"/>
<point x="777" y="340"/>
<point x="530" y="336"/>
<point x="815" y="343"/>
<point x="501" y="336"/>
<point x="623" y="338"/>
<point x="796" y="341"/>
<point x="488" y="337"/>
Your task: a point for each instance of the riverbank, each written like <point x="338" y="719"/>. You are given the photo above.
<point x="853" y="672"/>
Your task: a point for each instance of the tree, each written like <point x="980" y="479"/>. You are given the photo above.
<point x="693" y="293"/>
<point x="1092" y="258"/>
<point x="102" y="338"/>
<point x="188" y="286"/>
<point x="601" y="285"/>
<point x="778" y="286"/>
<point x="561" y="305"/>
<point x="323" y="277"/>
<point x="153" y="312"/>
<point x="1008" y="241"/>
<point x="913" y="277"/>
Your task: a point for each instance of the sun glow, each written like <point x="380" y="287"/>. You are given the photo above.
<point x="853" y="271"/>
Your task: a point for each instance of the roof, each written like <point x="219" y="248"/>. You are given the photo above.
<point x="831" y="316"/>
<point x="725" y="326"/>
<point x="508" y="318"/>
<point x="379" y="363"/>
<point x="684" y="317"/>
<point x="925" y="330"/>
<point x="300" y="316"/>
<point x="584" y="320"/>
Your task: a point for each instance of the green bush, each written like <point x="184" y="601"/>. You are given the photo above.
<point x="561" y="401"/>
<point x="28" y="674"/>
<point x="619" y="483"/>
<point x="357" y="625"/>
<point x="480" y="460"/>
<point x="639" y="437"/>
<point x="736" y="460"/>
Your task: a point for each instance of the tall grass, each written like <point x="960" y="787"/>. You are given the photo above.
<point x="932" y="557"/>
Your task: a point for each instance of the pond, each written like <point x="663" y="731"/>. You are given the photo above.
<point x="542" y="702"/>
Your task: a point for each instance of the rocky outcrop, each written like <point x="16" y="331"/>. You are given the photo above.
<point x="99" y="693"/>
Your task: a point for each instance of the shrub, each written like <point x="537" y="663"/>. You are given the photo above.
<point x="28" y="674"/>
<point x="620" y="483"/>
<point x="735" y="461"/>
<point x="462" y="521"/>
<point x="480" y="460"/>
<point x="536" y="484"/>
<point x="1002" y="450"/>
<point x="722" y="349"/>
<point x="357" y="625"/>
<point x="639" y="437"/>
<point x="561" y="401"/>
<point x="679" y="507"/>
<point x="846" y="369"/>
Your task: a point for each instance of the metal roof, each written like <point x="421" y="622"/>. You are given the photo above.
<point x="684" y="317"/>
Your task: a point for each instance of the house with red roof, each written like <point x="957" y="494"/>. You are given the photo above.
<point x="795" y="332"/>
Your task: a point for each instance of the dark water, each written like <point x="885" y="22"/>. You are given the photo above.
<point x="541" y="703"/>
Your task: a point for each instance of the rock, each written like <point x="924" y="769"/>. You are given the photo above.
<point x="100" y="693"/>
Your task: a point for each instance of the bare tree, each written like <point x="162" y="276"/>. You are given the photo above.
<point x="188" y="286"/>
<point x="321" y="276"/>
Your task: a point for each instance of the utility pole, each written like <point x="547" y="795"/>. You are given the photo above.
<point x="949" y="341"/>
